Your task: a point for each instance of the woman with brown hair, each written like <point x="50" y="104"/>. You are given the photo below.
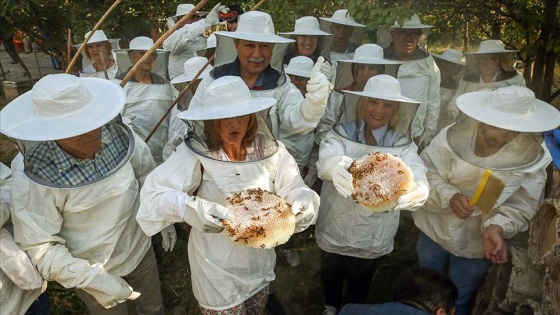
<point x="99" y="61"/>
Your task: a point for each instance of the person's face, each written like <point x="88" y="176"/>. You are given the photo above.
<point x="306" y="44"/>
<point x="98" y="51"/>
<point x="488" y="64"/>
<point x="378" y="113"/>
<point x="83" y="146"/>
<point x="362" y="73"/>
<point x="496" y="137"/>
<point x="447" y="68"/>
<point x="148" y="64"/>
<point x="340" y="36"/>
<point x="299" y="82"/>
<point x="254" y="57"/>
<point x="231" y="25"/>
<point x="232" y="130"/>
<point x="405" y="42"/>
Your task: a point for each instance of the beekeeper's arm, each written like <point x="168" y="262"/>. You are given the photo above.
<point x="415" y="198"/>
<point x="438" y="160"/>
<point x="142" y="161"/>
<point x="433" y="103"/>
<point x="333" y="164"/>
<point x="289" y="185"/>
<point x="37" y="222"/>
<point x="167" y="197"/>
<point x="329" y="118"/>
<point x="179" y="40"/>
<point x="301" y="116"/>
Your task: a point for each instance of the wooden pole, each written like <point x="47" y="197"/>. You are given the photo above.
<point x="95" y="28"/>
<point x="187" y="86"/>
<point x="69" y="46"/>
<point x="159" y="42"/>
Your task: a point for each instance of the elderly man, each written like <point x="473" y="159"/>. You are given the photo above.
<point x="346" y="34"/>
<point x="186" y="40"/>
<point x="249" y="53"/>
<point x="75" y="192"/>
<point x="419" y="76"/>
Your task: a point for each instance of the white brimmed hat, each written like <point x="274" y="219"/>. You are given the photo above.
<point x="98" y="36"/>
<point x="141" y="43"/>
<point x="300" y="66"/>
<point x="226" y="97"/>
<point x="384" y="87"/>
<point x="210" y="46"/>
<point x="342" y="17"/>
<point x="191" y="68"/>
<point x="184" y="8"/>
<point x="371" y="54"/>
<point x="255" y="26"/>
<point x="491" y="46"/>
<point x="61" y="106"/>
<point x="451" y="55"/>
<point x="307" y="25"/>
<point x="512" y="107"/>
<point x="411" y="23"/>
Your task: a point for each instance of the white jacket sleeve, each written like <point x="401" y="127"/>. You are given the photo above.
<point x="290" y="186"/>
<point x="318" y="90"/>
<point x="329" y="118"/>
<point x="515" y="213"/>
<point x="142" y="161"/>
<point x="15" y="263"/>
<point x="433" y="103"/>
<point x="331" y="152"/>
<point x="437" y="159"/>
<point x="178" y="41"/>
<point x="37" y="223"/>
<point x="5" y="187"/>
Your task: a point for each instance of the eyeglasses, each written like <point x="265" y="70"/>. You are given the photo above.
<point x="408" y="34"/>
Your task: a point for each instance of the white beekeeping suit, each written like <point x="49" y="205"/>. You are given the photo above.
<point x="343" y="226"/>
<point x="20" y="283"/>
<point x="146" y="103"/>
<point x="342" y="19"/>
<point x="185" y="41"/>
<point x="193" y="184"/>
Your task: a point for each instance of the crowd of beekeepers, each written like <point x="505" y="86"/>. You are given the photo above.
<point x="102" y="168"/>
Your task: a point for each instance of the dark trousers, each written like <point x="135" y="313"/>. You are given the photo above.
<point x="357" y="272"/>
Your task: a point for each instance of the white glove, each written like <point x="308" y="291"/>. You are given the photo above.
<point x="108" y="289"/>
<point x="15" y="263"/>
<point x="168" y="238"/>
<point x="304" y="215"/>
<point x="205" y="215"/>
<point x="327" y="70"/>
<point x="213" y="17"/>
<point x="311" y="177"/>
<point x="342" y="179"/>
<point x="414" y="199"/>
<point x="318" y="90"/>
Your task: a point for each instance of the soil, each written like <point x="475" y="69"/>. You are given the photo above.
<point x="297" y="289"/>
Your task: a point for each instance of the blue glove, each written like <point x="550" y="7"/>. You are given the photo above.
<point x="552" y="140"/>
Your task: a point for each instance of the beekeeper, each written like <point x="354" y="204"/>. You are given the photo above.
<point x="233" y="151"/>
<point x="22" y="287"/>
<point x="349" y="235"/>
<point x="75" y="192"/>
<point x="148" y="92"/>
<point x="99" y="61"/>
<point x="452" y="68"/>
<point x="501" y="131"/>
<point x="177" y="127"/>
<point x="490" y="67"/>
<point x="419" y="75"/>
<point x="184" y="42"/>
<point x="347" y="34"/>
<point x="254" y="53"/>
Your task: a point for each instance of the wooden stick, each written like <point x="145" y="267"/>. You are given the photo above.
<point x="187" y="87"/>
<point x="158" y="43"/>
<point x="68" y="46"/>
<point x="84" y="43"/>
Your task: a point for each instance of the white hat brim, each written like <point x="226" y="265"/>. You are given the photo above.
<point x="18" y="120"/>
<point x="301" y="73"/>
<point x="255" y="104"/>
<point x="491" y="51"/>
<point x="342" y="21"/>
<point x="544" y="118"/>
<point x="372" y="61"/>
<point x="256" y="37"/>
<point x="188" y="77"/>
<point x="384" y="96"/>
<point x="412" y="26"/>
<point x="307" y="32"/>
<point x="455" y="61"/>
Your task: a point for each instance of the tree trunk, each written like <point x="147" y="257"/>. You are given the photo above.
<point x="544" y="240"/>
